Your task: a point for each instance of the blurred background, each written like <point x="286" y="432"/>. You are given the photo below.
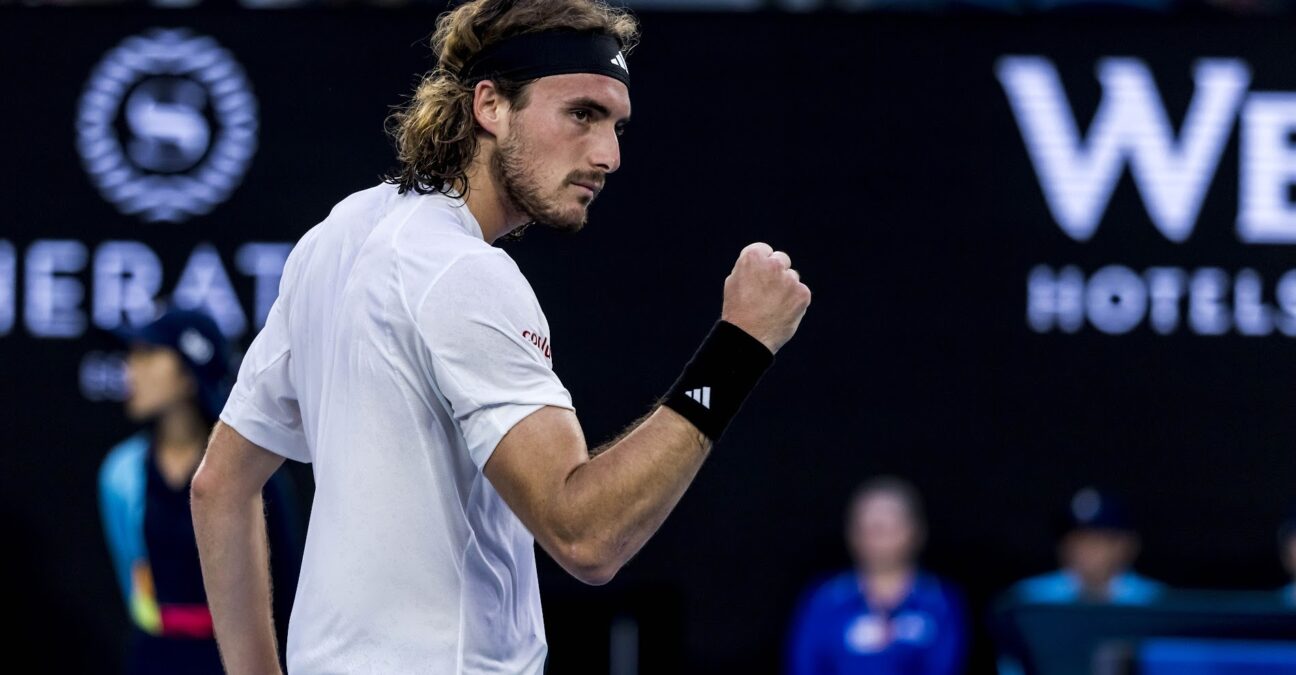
<point x="1052" y="245"/>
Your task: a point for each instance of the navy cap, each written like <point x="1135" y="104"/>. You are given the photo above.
<point x="1094" y="509"/>
<point x="201" y="346"/>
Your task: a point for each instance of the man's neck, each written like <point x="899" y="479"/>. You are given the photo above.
<point x="487" y="202"/>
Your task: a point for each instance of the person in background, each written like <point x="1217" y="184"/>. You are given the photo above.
<point x="177" y="376"/>
<point x="885" y="615"/>
<point x="1287" y="553"/>
<point x="1097" y="552"/>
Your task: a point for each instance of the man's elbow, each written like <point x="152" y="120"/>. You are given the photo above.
<point x="209" y="488"/>
<point x="204" y="488"/>
<point x="591" y="562"/>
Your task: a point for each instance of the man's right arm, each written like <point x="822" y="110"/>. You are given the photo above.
<point x="592" y="514"/>
<point x="229" y="522"/>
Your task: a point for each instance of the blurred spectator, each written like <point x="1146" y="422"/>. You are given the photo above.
<point x="1287" y="552"/>
<point x="885" y="615"/>
<point x="1097" y="551"/>
<point x="177" y="372"/>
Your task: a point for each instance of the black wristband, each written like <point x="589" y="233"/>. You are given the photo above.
<point x="718" y="378"/>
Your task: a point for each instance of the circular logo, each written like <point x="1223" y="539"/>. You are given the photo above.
<point x="167" y="125"/>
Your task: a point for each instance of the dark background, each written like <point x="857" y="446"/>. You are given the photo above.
<point x="880" y="152"/>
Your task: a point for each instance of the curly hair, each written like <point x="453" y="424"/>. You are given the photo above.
<point x="435" y="132"/>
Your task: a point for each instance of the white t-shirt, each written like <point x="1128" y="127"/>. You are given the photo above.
<point x="401" y="349"/>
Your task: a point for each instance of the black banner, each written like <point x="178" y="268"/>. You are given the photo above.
<point x="1044" y="254"/>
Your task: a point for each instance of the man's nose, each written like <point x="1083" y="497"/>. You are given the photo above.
<point x="607" y="151"/>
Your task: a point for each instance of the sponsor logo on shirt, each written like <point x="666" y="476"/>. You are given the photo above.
<point x="870" y="633"/>
<point x="539" y="341"/>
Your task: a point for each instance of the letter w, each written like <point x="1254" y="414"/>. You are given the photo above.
<point x="1078" y="175"/>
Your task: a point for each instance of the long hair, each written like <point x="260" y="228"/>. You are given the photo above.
<point x="435" y="133"/>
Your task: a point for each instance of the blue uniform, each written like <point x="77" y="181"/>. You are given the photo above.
<point x="1062" y="587"/>
<point x="836" y="632"/>
<point x="149" y="528"/>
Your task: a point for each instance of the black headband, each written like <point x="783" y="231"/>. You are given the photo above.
<point x="534" y="55"/>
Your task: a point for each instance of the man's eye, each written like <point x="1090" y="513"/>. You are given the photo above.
<point x="581" y="115"/>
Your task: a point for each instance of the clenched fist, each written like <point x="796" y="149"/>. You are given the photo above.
<point x="764" y="295"/>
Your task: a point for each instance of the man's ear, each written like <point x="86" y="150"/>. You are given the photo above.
<point x="490" y="110"/>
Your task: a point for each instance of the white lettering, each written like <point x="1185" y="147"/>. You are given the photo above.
<point x="103" y="377"/>
<point x="1116" y="300"/>
<point x="265" y="263"/>
<point x="205" y="285"/>
<point x="1287" y="303"/>
<point x="52" y="306"/>
<point x="1165" y="288"/>
<point x="1252" y="315"/>
<point x="8" y="282"/>
<point x="127" y="278"/>
<point x="1268" y="168"/>
<point x="1206" y="312"/>
<point x="1055" y="299"/>
<point x="1130" y="127"/>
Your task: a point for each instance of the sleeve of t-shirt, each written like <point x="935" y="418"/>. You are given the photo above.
<point x="263" y="405"/>
<point x="489" y="348"/>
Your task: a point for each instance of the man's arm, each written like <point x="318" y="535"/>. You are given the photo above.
<point x="229" y="522"/>
<point x="594" y="514"/>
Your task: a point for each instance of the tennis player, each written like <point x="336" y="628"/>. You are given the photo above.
<point x="408" y="360"/>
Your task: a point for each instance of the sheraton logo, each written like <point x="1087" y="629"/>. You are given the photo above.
<point x="167" y="125"/>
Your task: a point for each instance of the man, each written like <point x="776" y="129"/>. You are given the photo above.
<point x="885" y="615"/>
<point x="1287" y="553"/>
<point x="409" y="361"/>
<point x="1097" y="551"/>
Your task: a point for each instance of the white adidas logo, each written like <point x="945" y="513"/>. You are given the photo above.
<point x="702" y="395"/>
<point x="619" y="60"/>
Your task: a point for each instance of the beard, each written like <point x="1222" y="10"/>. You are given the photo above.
<point x="521" y="186"/>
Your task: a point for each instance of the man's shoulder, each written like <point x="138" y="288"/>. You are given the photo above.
<point x="431" y="236"/>
<point x="484" y="274"/>
<point x="839" y="589"/>
<point x="434" y="219"/>
<point x="367" y="197"/>
<point x="1056" y="586"/>
<point x="358" y="211"/>
<point x="1134" y="588"/>
<point x="369" y="204"/>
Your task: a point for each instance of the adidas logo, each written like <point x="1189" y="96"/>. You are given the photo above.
<point x="701" y="395"/>
<point x="619" y="60"/>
